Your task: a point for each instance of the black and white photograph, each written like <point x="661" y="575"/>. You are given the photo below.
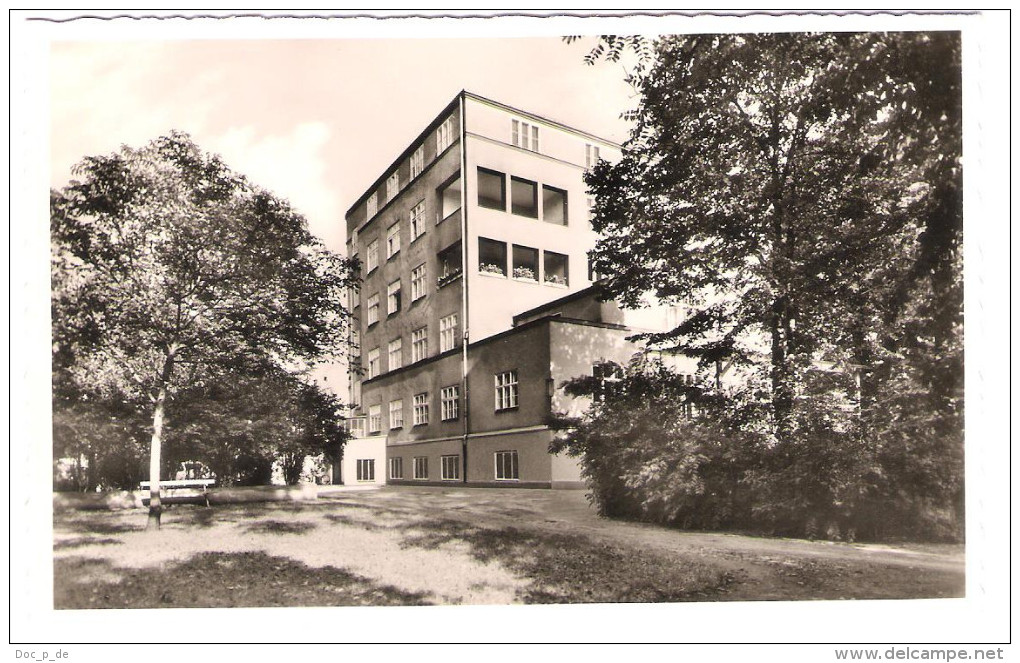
<point x="512" y="328"/>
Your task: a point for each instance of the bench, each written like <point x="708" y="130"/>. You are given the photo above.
<point x="181" y="491"/>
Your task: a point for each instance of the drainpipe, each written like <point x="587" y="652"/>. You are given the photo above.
<point x="464" y="285"/>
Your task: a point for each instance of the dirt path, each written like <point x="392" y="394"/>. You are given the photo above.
<point x="761" y="568"/>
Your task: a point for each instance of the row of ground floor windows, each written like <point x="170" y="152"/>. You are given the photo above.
<point x="506" y="467"/>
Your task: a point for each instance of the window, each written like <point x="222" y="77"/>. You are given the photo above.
<point x="491" y="189"/>
<point x="418" y="282"/>
<point x="372" y="206"/>
<point x="395" y="354"/>
<point x="449" y="199"/>
<point x="418" y="162"/>
<point x="393" y="298"/>
<point x="449" y="260"/>
<point x="448" y="332"/>
<point x="372" y="256"/>
<point x="418" y="220"/>
<point x="444" y="135"/>
<point x="554" y="205"/>
<point x="555" y="268"/>
<point x="506" y="390"/>
<point x="366" y="469"/>
<point x="506" y="466"/>
<point x="491" y="256"/>
<point x="373" y="310"/>
<point x="421" y="409"/>
<point x="590" y="201"/>
<point x="392" y="185"/>
<point x="525" y="263"/>
<point x="374" y="368"/>
<point x="421" y="467"/>
<point x="396" y="468"/>
<point x="374" y="418"/>
<point x="393" y="240"/>
<point x="419" y="344"/>
<point x="524" y="135"/>
<point x="397" y="414"/>
<point x="524" y="197"/>
<point x="591" y="155"/>
<point x="687" y="408"/>
<point x="450" y="402"/>
<point x="451" y="468"/>
<point x="606" y="374"/>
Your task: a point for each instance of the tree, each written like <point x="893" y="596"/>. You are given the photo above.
<point x="801" y="194"/>
<point x="171" y="270"/>
<point x="240" y="426"/>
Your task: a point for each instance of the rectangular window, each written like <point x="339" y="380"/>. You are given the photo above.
<point x="449" y="199"/>
<point x="418" y="282"/>
<point x="555" y="268"/>
<point x="491" y="256"/>
<point x="374" y="418"/>
<point x="491" y="189"/>
<point x="444" y="135"/>
<point x="393" y="240"/>
<point x="448" y="332"/>
<point x="418" y="162"/>
<point x="392" y="185"/>
<point x="591" y="155"/>
<point x="372" y="206"/>
<point x="590" y="201"/>
<point x="450" y="402"/>
<point x="372" y="256"/>
<point x="554" y="205"/>
<point x="393" y="298"/>
<point x="397" y="414"/>
<point x="449" y="260"/>
<point x="419" y="344"/>
<point x="366" y="469"/>
<point x="421" y="467"/>
<point x="396" y="468"/>
<point x="418" y="220"/>
<point x="421" y="409"/>
<point x="506" y="466"/>
<point x="451" y="468"/>
<point x="525" y="263"/>
<point x="506" y="390"/>
<point x="395" y="354"/>
<point x="524" y="135"/>
<point x="524" y="197"/>
<point x="373" y="310"/>
<point x="374" y="367"/>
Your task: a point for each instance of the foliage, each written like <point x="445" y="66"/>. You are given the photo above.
<point x="170" y="271"/>
<point x="799" y="194"/>
<point x="239" y="427"/>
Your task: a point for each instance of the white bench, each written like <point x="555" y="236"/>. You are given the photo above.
<point x="180" y="490"/>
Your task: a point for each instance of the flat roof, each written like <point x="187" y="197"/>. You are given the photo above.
<point x="442" y="114"/>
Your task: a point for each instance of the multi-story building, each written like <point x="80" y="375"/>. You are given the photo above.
<point x="475" y="301"/>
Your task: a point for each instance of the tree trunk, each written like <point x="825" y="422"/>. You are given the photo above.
<point x="156" y="446"/>
<point x="155" y="452"/>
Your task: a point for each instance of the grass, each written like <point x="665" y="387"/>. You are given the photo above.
<point x="390" y="548"/>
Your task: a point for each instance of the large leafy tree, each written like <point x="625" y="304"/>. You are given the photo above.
<point x="801" y="194"/>
<point x="170" y="270"/>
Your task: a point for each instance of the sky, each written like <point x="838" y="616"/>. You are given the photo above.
<point x="313" y="121"/>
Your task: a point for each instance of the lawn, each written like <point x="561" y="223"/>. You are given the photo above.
<point x="435" y="546"/>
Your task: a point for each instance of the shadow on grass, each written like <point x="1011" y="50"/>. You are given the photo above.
<point x="279" y="527"/>
<point x="80" y="541"/>
<point x="341" y="519"/>
<point x="94" y="525"/>
<point x="218" y="580"/>
<point x="568" y="568"/>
